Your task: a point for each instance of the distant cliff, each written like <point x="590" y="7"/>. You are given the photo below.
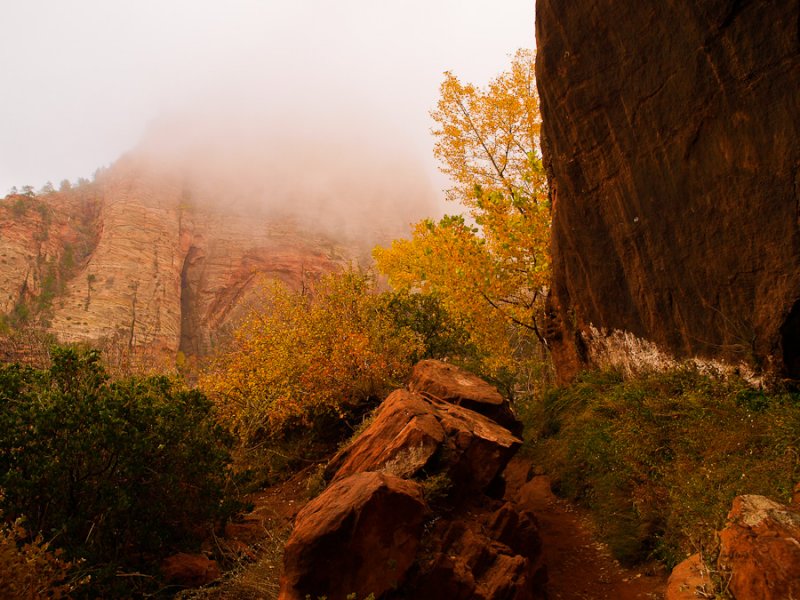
<point x="141" y="259"/>
<point x="671" y="132"/>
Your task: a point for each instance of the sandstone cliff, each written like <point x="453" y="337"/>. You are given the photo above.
<point x="148" y="262"/>
<point x="671" y="134"/>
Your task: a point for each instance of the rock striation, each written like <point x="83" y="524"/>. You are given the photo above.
<point x="671" y="138"/>
<point x="139" y="260"/>
<point x="414" y="507"/>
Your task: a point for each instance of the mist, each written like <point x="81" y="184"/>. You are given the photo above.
<point x="316" y="108"/>
<point x="351" y="176"/>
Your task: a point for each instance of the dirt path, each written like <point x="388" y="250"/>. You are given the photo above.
<point x="579" y="567"/>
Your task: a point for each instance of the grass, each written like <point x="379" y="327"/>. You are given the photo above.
<point x="659" y="459"/>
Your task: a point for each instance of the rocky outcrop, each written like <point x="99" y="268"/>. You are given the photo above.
<point x="411" y="432"/>
<point x="360" y="536"/>
<point x="473" y="545"/>
<point x="671" y="138"/>
<point x="760" y="549"/>
<point x="437" y="379"/>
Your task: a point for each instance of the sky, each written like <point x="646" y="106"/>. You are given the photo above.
<point x="84" y="81"/>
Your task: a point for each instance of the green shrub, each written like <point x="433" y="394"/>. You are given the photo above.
<point x="659" y="459"/>
<point x="117" y="473"/>
<point x="442" y="336"/>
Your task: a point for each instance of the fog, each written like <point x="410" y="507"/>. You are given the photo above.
<point x="300" y="105"/>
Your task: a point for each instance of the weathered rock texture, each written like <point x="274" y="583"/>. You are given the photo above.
<point x="760" y="549"/>
<point x="411" y="432"/>
<point x="360" y="536"/>
<point x="485" y="556"/>
<point x="671" y="136"/>
<point x="437" y="379"/>
<point x="474" y="546"/>
<point x="141" y="260"/>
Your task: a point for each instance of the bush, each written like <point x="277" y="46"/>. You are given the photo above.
<point x="119" y="473"/>
<point x="29" y="569"/>
<point x="309" y="360"/>
<point x="659" y="459"/>
<point x="441" y="334"/>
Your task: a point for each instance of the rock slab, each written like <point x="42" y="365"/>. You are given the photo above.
<point x="359" y="536"/>
<point x="452" y="384"/>
<point x="410" y="432"/>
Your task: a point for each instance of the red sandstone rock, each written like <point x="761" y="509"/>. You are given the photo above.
<point x="190" y="570"/>
<point x="671" y="138"/>
<point x="479" y="556"/>
<point x="688" y="580"/>
<point x="453" y="384"/>
<point x="403" y="435"/>
<point x="359" y="536"/>
<point x="409" y="431"/>
<point x="760" y="549"/>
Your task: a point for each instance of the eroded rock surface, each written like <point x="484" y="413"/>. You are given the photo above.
<point x="472" y="545"/>
<point x="452" y="384"/>
<point x="359" y="536"/>
<point x="410" y="432"/>
<point x="483" y="555"/>
<point x="760" y="549"/>
<point x="671" y="136"/>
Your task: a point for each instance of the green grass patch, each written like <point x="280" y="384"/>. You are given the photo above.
<point x="659" y="459"/>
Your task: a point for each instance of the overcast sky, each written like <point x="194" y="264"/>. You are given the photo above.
<point x="83" y="80"/>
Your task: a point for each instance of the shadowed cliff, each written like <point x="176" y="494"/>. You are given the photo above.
<point x="671" y="138"/>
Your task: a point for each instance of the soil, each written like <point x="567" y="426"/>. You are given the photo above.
<point x="579" y="567"/>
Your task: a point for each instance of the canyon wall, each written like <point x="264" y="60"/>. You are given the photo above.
<point x="138" y="261"/>
<point x="671" y="136"/>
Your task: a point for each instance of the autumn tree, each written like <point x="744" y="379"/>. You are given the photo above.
<point x="311" y="355"/>
<point x="491" y="266"/>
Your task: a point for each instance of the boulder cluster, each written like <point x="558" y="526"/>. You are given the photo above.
<point x="414" y="506"/>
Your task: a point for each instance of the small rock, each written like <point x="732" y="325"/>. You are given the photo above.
<point x="687" y="579"/>
<point x="189" y="570"/>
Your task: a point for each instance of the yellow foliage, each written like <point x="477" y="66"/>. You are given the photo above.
<point x="322" y="351"/>
<point x="494" y="274"/>
<point x="29" y="570"/>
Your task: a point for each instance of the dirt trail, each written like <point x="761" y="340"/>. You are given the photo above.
<point x="579" y="567"/>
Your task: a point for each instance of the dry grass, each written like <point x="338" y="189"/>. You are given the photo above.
<point x="659" y="459"/>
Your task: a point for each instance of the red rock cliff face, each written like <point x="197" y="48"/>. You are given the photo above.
<point x="137" y="260"/>
<point x="672" y="139"/>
